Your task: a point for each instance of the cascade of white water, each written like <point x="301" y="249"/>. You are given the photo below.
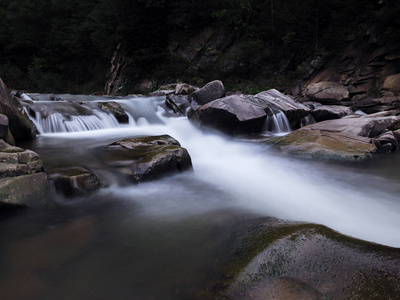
<point x="141" y="113"/>
<point x="249" y="178"/>
<point x="277" y="123"/>
<point x="59" y="122"/>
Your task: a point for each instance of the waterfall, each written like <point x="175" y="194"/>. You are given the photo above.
<point x="277" y="123"/>
<point x="59" y="122"/>
<point x="62" y="116"/>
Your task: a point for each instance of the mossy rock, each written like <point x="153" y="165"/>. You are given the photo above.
<point x="325" y="145"/>
<point x="148" y="158"/>
<point x="282" y="260"/>
<point x="26" y="190"/>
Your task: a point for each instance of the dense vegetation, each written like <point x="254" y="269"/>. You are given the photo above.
<point x="66" y="46"/>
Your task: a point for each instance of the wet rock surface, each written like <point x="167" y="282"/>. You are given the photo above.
<point x="116" y="110"/>
<point x="176" y="105"/>
<point x="147" y="158"/>
<point x="281" y="260"/>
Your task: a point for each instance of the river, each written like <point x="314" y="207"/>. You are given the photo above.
<point x="166" y="239"/>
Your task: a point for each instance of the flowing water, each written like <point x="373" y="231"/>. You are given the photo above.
<point x="166" y="239"/>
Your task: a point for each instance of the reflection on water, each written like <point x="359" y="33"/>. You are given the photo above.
<point x="166" y="239"/>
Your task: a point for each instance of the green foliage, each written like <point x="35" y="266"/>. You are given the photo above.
<point x="66" y="46"/>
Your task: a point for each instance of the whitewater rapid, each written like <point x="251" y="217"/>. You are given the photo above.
<point x="231" y="173"/>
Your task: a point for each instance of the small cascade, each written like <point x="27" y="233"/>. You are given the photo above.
<point x="60" y="116"/>
<point x="59" y="122"/>
<point x="277" y="123"/>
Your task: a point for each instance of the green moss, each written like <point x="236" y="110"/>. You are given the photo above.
<point x="316" y="145"/>
<point x="264" y="234"/>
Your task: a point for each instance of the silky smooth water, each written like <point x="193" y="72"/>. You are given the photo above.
<point x="166" y="239"/>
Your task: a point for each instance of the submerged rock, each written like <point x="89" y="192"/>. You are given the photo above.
<point x="22" y="178"/>
<point x="74" y="181"/>
<point x="281" y="260"/>
<point x="148" y="158"/>
<point x="347" y="138"/>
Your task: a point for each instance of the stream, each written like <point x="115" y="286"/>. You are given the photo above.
<point x="166" y="239"/>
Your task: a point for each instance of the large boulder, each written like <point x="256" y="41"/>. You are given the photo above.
<point x="211" y="91"/>
<point x="281" y="260"/>
<point x="329" y="112"/>
<point x="354" y="137"/>
<point x="147" y="158"/>
<point x="20" y="125"/>
<point x="22" y="177"/>
<point x="273" y="99"/>
<point x="231" y="115"/>
<point x="327" y="92"/>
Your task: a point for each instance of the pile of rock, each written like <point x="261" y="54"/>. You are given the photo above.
<point x="22" y="177"/>
<point x="239" y="114"/>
